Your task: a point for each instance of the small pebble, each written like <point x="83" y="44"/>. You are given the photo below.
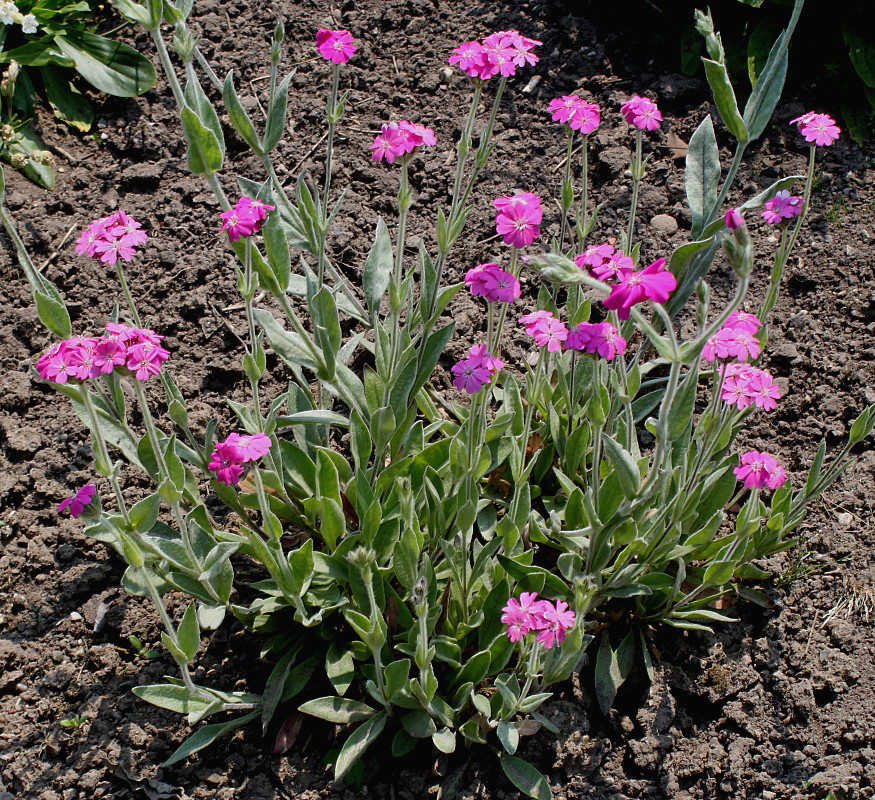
<point x="75" y="616"/>
<point x="663" y="223"/>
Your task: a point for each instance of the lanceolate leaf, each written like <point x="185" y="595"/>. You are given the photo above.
<point x="525" y="777"/>
<point x="112" y="67"/>
<point x="724" y="97"/>
<point x="205" y="736"/>
<point x="702" y="173"/>
<point x="355" y="746"/>
<point x="68" y="103"/>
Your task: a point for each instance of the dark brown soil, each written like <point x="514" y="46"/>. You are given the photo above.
<point x="779" y="705"/>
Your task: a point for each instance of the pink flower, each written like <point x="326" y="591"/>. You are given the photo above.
<point x="744" y="320"/>
<point x="654" y="282"/>
<point x="250" y="447"/>
<point x="110" y="238"/>
<point x="245" y="218"/>
<point x="225" y="462"/>
<point x="388" y="144"/>
<point x="600" y="337"/>
<point x="545" y="329"/>
<point x="782" y="206"/>
<point x="500" y="55"/>
<point x="818" y="128"/>
<point x="522" y="48"/>
<point x="763" y="390"/>
<point x="759" y="469"/>
<point x="521" y="616"/>
<point x="145" y="360"/>
<point x="576" y="113"/>
<point x="605" y="263"/>
<point x="335" y="46"/>
<point x="642" y="113"/>
<point x="77" y="503"/>
<point x="490" y="281"/>
<point x="473" y="373"/>
<point x="744" y="384"/>
<point x="733" y="219"/>
<point x="471" y="58"/>
<point x="556" y="620"/>
<point x="508" y="202"/>
<point x="417" y="135"/>
<point x="518" y="222"/>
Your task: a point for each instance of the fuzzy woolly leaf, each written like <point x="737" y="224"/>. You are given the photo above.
<point x="525" y="777"/>
<point x="354" y="747"/>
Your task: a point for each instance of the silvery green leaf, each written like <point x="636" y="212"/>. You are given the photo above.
<point x="702" y="173"/>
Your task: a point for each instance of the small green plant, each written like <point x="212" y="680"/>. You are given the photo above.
<point x="837" y="210"/>
<point x="141" y="650"/>
<point x="800" y="565"/>
<point x="74" y="723"/>
<point x="43" y="42"/>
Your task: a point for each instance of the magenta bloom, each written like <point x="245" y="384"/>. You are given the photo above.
<point x="518" y="218"/>
<point x="250" y="447"/>
<point x="733" y="219"/>
<point x="545" y="329"/>
<point x="654" y="282"/>
<point x="758" y="470"/>
<point x="473" y="373"/>
<point x="556" y="620"/>
<point x="111" y="238"/>
<point x="599" y="337"/>
<point x="744" y="384"/>
<point x="495" y="284"/>
<point x="605" y="263"/>
<point x="335" y="46"/>
<point x="77" y="503"/>
<point x="642" y="113"/>
<point x="400" y="138"/>
<point x="782" y="206"/>
<point x="499" y="53"/>
<point x="575" y="112"/>
<point x="245" y="218"/>
<point x="818" y="128"/>
<point x="521" y="616"/>
<point x="744" y="320"/>
<point x="237" y="449"/>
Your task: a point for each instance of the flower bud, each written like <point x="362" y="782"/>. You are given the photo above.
<point x="7" y="85"/>
<point x="18" y="160"/>
<point x="184" y="43"/>
<point x="733" y="219"/>
<point x="43" y="157"/>
<point x="7" y="132"/>
<point x="739" y="251"/>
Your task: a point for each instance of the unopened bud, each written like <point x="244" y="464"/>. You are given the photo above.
<point x="184" y="43"/>
<point x="739" y="250"/>
<point x="43" y="157"/>
<point x="705" y="26"/>
<point x="734" y="219"/>
<point x="7" y="85"/>
<point x="18" y="160"/>
<point x="7" y="132"/>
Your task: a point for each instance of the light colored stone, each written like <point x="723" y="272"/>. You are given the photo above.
<point x="663" y="223"/>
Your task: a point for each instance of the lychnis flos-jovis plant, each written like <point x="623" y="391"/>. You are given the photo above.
<point x="431" y="560"/>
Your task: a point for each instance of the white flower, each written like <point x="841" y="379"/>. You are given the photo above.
<point x="7" y="9"/>
<point x="29" y="24"/>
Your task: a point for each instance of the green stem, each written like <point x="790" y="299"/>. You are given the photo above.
<point x="727" y="183"/>
<point x="167" y="64"/>
<point x="502" y="315"/>
<point x="103" y="454"/>
<point x="567" y="191"/>
<point x="127" y="293"/>
<point x="583" y="223"/>
<point x="636" y="182"/>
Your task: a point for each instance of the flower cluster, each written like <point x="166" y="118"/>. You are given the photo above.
<point x="575" y="112"/>
<point x="759" y="469"/>
<point x="744" y="384"/>
<point x="518" y="217"/>
<point x="821" y="129"/>
<point x="245" y="218"/>
<point x="596" y="337"/>
<point x="605" y="263"/>
<point x="552" y="621"/>
<point x="77" y="503"/>
<point x="133" y="351"/>
<point x="642" y="113"/>
<point x="782" y="206"/>
<point x="9" y="14"/>
<point x="545" y="329"/>
<point x="335" y="46"/>
<point x="399" y="139"/>
<point x="736" y="339"/>
<point x="499" y="53"/>
<point x="654" y="282"/>
<point x="238" y="449"/>
<point x="111" y="238"/>
<point x="492" y="282"/>
<point x="473" y="373"/>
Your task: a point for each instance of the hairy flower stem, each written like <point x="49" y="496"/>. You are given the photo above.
<point x="167" y="64"/>
<point x="785" y="248"/>
<point x="331" y="113"/>
<point x="104" y="465"/>
<point x="584" y="224"/>
<point x="395" y="299"/>
<point x="637" y="175"/>
<point x="533" y="665"/>
<point x="463" y="147"/>
<point x="248" y="297"/>
<point x="567" y="190"/>
<point x="727" y="183"/>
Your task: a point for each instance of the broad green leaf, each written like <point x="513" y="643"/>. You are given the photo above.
<point x="724" y="97"/>
<point x="702" y="173"/>
<point x="419" y="724"/>
<point x="377" y="269"/>
<point x="525" y="777"/>
<point x="173" y="697"/>
<point x="624" y="465"/>
<point x="144" y="514"/>
<point x="188" y="633"/>
<point x="861" y="51"/>
<point x="337" y="709"/>
<point x="509" y="736"/>
<point x="354" y="747"/>
<point x="681" y="412"/>
<point x="237" y="114"/>
<point x="108" y="65"/>
<point x="444" y="740"/>
<point x="204" y="150"/>
<point x="68" y="103"/>
<point x="276" y="114"/>
<point x="340" y="667"/>
<point x="52" y="313"/>
<point x="205" y="736"/>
